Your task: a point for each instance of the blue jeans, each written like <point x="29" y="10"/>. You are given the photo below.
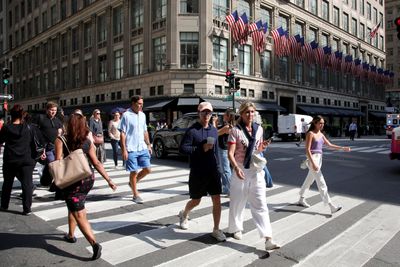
<point x="114" y="145"/>
<point x="225" y="170"/>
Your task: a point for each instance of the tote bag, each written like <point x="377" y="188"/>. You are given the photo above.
<point x="70" y="169"/>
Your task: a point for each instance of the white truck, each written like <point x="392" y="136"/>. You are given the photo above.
<point x="290" y="126"/>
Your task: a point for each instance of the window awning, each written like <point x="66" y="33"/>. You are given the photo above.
<point x="378" y="114"/>
<point x="158" y="106"/>
<point x="221" y="104"/>
<point x="188" y="101"/>
<point x="269" y="106"/>
<point x="342" y="112"/>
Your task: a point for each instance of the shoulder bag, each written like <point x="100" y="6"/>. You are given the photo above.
<point x="98" y="139"/>
<point x="71" y="168"/>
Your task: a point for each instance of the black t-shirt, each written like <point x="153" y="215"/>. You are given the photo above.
<point x="49" y="128"/>
<point x="223" y="140"/>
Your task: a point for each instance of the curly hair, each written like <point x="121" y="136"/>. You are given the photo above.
<point x="77" y="131"/>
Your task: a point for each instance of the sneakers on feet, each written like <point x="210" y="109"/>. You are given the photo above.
<point x="27" y="213"/>
<point x="269" y="245"/>
<point x="183" y="221"/>
<point x="334" y="208"/>
<point x="69" y="239"/>
<point x="96" y="251"/>
<point x="238" y="235"/>
<point x="219" y="235"/>
<point x="302" y="202"/>
<point x="138" y="200"/>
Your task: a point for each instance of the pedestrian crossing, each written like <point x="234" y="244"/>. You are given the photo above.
<point x="378" y="149"/>
<point x="149" y="235"/>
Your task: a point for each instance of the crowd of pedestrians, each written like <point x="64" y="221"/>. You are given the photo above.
<point x="225" y="158"/>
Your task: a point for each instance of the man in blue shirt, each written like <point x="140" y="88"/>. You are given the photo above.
<point x="200" y="142"/>
<point x="135" y="145"/>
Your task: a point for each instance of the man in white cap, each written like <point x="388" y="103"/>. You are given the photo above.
<point x="200" y="142"/>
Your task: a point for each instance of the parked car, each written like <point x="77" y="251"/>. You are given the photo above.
<point x="167" y="141"/>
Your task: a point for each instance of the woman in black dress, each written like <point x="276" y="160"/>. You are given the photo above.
<point x="75" y="195"/>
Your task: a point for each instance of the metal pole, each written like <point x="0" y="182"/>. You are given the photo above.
<point x="233" y="95"/>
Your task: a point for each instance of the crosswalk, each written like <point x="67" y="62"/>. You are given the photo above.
<point x="148" y="234"/>
<point x="378" y="149"/>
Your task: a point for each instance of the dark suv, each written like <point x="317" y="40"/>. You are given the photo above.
<point x="167" y="141"/>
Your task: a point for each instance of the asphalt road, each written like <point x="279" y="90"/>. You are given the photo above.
<point x="365" y="173"/>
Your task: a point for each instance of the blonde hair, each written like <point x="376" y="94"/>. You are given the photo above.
<point x="243" y="108"/>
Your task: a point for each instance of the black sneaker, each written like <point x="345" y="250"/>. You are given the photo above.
<point x="69" y="239"/>
<point x="27" y="213"/>
<point x="96" y="251"/>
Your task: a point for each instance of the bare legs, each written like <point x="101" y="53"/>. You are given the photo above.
<point x="135" y="177"/>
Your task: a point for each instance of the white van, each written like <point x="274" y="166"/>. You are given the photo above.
<point x="289" y="126"/>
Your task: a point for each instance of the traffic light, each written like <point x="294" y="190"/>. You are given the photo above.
<point x="230" y="77"/>
<point x="397" y="23"/>
<point x="6" y="75"/>
<point x="237" y="83"/>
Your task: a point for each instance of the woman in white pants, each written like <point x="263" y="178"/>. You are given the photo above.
<point x="315" y="139"/>
<point x="247" y="182"/>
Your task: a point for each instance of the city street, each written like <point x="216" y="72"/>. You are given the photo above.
<point x="364" y="233"/>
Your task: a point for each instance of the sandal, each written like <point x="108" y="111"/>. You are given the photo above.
<point x="69" y="239"/>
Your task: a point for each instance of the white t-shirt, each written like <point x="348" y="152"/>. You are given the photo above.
<point x="237" y="136"/>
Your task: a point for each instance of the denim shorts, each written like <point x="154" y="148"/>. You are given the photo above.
<point x="138" y="160"/>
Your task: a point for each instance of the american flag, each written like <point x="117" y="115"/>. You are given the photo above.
<point x="240" y="27"/>
<point x="374" y="31"/>
<point x="314" y="53"/>
<point x="319" y="56"/>
<point x="365" y="67"/>
<point x="348" y="60"/>
<point x="231" y="19"/>
<point x="243" y="25"/>
<point x="327" y="56"/>
<point x="338" y="60"/>
<point x="357" y="67"/>
<point x="277" y="36"/>
<point x="258" y="36"/>
<point x="297" y="50"/>
<point x="308" y="53"/>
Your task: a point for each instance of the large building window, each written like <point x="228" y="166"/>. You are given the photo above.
<point x="137" y="54"/>
<point x="159" y="52"/>
<point x="266" y="15"/>
<point x="118" y="19"/>
<point x="53" y="15"/>
<point x="102" y="28"/>
<point x="137" y="13"/>
<point x="75" y="75"/>
<point x="325" y="10"/>
<point x="368" y="11"/>
<point x="44" y="20"/>
<point x="265" y="62"/>
<point x="354" y="27"/>
<point x="189" y="6"/>
<point x="336" y="16"/>
<point x="243" y="6"/>
<point x="300" y="3"/>
<point x="345" y="22"/>
<point x="244" y="59"/>
<point x="103" y="68"/>
<point x="87" y="38"/>
<point x="299" y="72"/>
<point x="374" y="15"/>
<point x="118" y="64"/>
<point x="74" y="6"/>
<point x="284" y="69"/>
<point x="362" y="31"/>
<point x="312" y="75"/>
<point x="159" y="9"/>
<point x="63" y="9"/>
<point x="284" y="22"/>
<point x="354" y="4"/>
<point x="298" y="29"/>
<point x="313" y="7"/>
<point x="219" y="8"/>
<point x="88" y="72"/>
<point x="362" y="7"/>
<point x="220" y="53"/>
<point x="75" y="39"/>
<point x="189" y="49"/>
<point x="311" y="35"/>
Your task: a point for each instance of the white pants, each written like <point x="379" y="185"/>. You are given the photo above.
<point x="251" y="189"/>
<point x="318" y="177"/>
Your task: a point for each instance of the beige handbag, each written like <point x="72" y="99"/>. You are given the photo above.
<point x="71" y="168"/>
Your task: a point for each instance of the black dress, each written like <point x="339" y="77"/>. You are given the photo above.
<point x="75" y="194"/>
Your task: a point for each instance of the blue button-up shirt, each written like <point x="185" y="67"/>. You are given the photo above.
<point x="134" y="126"/>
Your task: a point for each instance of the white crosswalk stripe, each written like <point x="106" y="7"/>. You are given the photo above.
<point x="128" y="231"/>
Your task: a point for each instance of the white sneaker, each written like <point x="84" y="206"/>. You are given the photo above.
<point x="238" y="235"/>
<point x="183" y="221"/>
<point x="269" y="245"/>
<point x="302" y="202"/>
<point x="138" y="200"/>
<point x="334" y="208"/>
<point x="219" y="235"/>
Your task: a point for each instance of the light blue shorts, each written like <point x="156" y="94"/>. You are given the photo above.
<point x="138" y="160"/>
